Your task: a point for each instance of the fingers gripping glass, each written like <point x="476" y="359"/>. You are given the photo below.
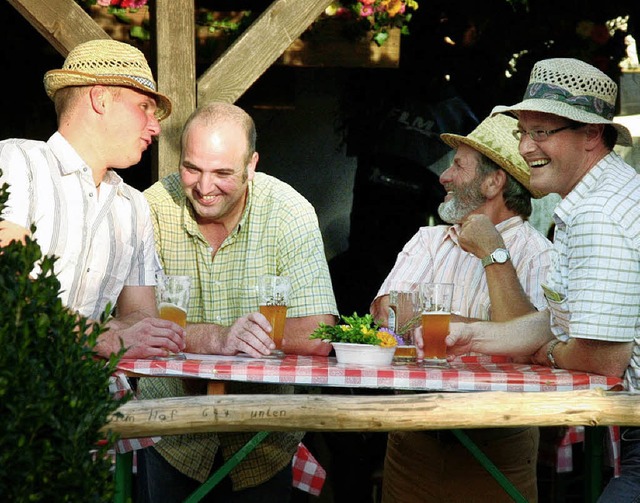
<point x="539" y="135"/>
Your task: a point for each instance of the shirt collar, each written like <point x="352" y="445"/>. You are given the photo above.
<point x="586" y="184"/>
<point x="506" y="228"/>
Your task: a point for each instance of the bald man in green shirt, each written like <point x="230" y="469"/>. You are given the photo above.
<point x="225" y="225"/>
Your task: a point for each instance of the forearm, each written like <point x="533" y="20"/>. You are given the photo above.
<point x="522" y="336"/>
<point x="587" y="355"/>
<point x="508" y="299"/>
<point x="207" y="338"/>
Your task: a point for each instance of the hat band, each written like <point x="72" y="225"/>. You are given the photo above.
<point x="591" y="104"/>
<point x="145" y="82"/>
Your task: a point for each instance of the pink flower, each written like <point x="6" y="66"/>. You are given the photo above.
<point x="104" y="3"/>
<point x="367" y="10"/>
<point x="367" y="2"/>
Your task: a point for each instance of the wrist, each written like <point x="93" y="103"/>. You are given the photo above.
<point x="550" y="357"/>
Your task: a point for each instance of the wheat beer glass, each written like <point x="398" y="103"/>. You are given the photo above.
<point x="404" y="317"/>
<point x="173" y="294"/>
<point x="435" y="299"/>
<point x="273" y="296"/>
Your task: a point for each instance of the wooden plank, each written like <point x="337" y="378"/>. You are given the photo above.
<point x="219" y="413"/>
<point x="258" y="47"/>
<point x="176" y="74"/>
<point x="62" y="22"/>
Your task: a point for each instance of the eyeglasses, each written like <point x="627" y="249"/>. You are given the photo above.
<point x="539" y="135"/>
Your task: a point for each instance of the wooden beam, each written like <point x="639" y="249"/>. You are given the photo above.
<point x="432" y="411"/>
<point x="62" y="22"/>
<point x="258" y="47"/>
<point x="176" y="67"/>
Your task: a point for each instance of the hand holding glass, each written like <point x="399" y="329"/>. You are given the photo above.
<point x="273" y="296"/>
<point x="173" y="294"/>
<point x="436" y="315"/>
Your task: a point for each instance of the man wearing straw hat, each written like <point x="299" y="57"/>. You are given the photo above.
<point x="100" y="228"/>
<point x="567" y="135"/>
<point x="497" y="262"/>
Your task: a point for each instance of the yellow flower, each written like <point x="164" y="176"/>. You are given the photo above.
<point x="387" y="339"/>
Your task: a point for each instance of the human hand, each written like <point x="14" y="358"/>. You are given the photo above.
<point x="250" y="335"/>
<point x="479" y="236"/>
<point x="147" y="338"/>
<point x="12" y="232"/>
<point x="460" y="339"/>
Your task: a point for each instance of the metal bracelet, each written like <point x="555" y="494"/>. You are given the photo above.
<point x="550" y="357"/>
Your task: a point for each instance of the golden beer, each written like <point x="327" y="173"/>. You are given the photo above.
<point x="405" y="354"/>
<point x="276" y="316"/>
<point x="435" y="328"/>
<point x="171" y="312"/>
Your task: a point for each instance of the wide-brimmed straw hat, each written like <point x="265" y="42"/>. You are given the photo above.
<point x="572" y="89"/>
<point x="494" y="138"/>
<point x="109" y="63"/>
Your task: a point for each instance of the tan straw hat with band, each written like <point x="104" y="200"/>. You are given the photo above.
<point x="572" y="89"/>
<point x="109" y="63"/>
<point x="494" y="138"/>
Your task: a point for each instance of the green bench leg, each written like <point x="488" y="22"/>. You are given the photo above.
<point x="124" y="478"/>
<point x="488" y="465"/>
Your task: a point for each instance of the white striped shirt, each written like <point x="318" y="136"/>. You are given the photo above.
<point x="595" y="278"/>
<point x="102" y="244"/>
<point x="434" y="255"/>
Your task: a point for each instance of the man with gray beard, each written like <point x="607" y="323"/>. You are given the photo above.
<point x="497" y="262"/>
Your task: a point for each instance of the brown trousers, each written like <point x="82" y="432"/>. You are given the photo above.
<point x="436" y="467"/>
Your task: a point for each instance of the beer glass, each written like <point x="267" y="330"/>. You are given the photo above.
<point x="173" y="294"/>
<point x="273" y="296"/>
<point x="435" y="300"/>
<point x="404" y="317"/>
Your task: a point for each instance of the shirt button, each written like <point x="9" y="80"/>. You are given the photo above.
<point x="218" y="318"/>
<point x="90" y="194"/>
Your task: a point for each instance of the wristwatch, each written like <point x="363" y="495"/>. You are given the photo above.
<point x="499" y="256"/>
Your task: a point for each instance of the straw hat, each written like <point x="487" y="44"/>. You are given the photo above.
<point x="110" y="63"/>
<point x="572" y="89"/>
<point x="494" y="138"/>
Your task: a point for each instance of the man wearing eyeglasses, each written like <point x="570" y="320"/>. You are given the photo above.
<point x="567" y="135"/>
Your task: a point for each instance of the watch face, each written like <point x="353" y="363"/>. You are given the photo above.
<point x="501" y="255"/>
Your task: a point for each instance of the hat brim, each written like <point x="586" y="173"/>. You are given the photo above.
<point x="454" y="141"/>
<point x="568" y="112"/>
<point x="55" y="80"/>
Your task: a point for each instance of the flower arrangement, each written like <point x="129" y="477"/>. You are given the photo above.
<point x="376" y="15"/>
<point x="357" y="330"/>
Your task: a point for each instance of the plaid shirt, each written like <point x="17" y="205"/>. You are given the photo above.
<point x="278" y="233"/>
<point x="593" y="288"/>
<point x="102" y="243"/>
<point x="434" y="255"/>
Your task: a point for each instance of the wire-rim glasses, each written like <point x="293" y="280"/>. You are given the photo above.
<point x="539" y="135"/>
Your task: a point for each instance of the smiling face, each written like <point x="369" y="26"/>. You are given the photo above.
<point x="561" y="160"/>
<point x="215" y="171"/>
<point x="463" y="184"/>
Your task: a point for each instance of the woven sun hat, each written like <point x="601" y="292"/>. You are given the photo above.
<point x="109" y="63"/>
<point x="494" y="138"/>
<point x="572" y="89"/>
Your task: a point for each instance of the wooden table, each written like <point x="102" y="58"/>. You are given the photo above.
<point x="467" y="374"/>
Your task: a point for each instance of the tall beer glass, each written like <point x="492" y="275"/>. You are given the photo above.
<point x="435" y="299"/>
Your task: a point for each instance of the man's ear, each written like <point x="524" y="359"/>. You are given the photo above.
<point x="493" y="184"/>
<point x="594" y="134"/>
<point x="98" y="96"/>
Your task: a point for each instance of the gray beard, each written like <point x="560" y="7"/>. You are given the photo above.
<point x="456" y="209"/>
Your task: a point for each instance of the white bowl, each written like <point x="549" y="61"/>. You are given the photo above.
<point x="363" y="354"/>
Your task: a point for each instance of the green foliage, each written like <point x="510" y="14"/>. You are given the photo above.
<point x="54" y="395"/>
<point x="355" y="329"/>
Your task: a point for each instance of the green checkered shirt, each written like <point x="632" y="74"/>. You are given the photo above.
<point x="278" y="233"/>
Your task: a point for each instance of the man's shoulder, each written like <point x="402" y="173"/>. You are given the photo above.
<point x="166" y="189"/>
<point x="268" y="188"/>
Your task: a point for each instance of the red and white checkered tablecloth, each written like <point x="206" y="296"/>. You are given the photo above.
<point x="472" y="373"/>
<point x="466" y="374"/>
